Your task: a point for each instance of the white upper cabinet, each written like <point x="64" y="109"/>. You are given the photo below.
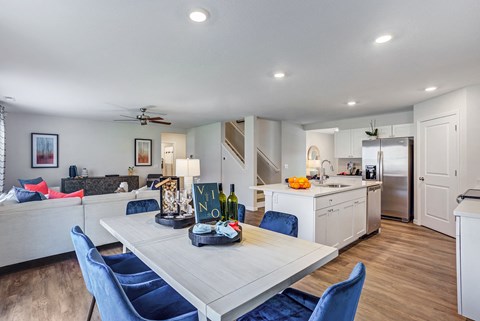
<point x="348" y="143"/>
<point x="343" y="144"/>
<point x="402" y="130"/>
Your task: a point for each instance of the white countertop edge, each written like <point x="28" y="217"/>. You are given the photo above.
<point x="314" y="191"/>
<point x="468" y="208"/>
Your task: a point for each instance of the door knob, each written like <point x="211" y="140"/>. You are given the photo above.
<point x="421" y="178"/>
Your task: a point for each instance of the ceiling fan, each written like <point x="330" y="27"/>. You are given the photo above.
<point x="145" y="119"/>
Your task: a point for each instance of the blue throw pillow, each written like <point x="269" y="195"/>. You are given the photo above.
<point x="23" y="195"/>
<point x="155" y="182"/>
<point x="33" y="181"/>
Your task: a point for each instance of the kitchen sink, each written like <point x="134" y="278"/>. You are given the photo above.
<point x="335" y="185"/>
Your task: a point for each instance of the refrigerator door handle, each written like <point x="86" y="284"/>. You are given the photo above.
<point x="381" y="168"/>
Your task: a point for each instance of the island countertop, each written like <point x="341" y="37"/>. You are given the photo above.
<point x="317" y="190"/>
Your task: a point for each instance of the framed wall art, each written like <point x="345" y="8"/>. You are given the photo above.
<point x="44" y="150"/>
<point x="143" y="152"/>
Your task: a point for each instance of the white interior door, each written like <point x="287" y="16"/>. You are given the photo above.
<point x="437" y="173"/>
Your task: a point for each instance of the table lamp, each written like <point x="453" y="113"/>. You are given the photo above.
<point x="187" y="168"/>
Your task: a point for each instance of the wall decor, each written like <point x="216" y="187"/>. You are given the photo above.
<point x="143" y="152"/>
<point x="44" y="150"/>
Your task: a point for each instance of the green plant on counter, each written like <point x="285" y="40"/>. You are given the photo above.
<point x="373" y="130"/>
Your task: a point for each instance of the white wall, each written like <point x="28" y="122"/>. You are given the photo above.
<point x="204" y="143"/>
<point x="293" y="150"/>
<point x="102" y="147"/>
<point x="472" y="145"/>
<point x="325" y="144"/>
<point x="269" y="139"/>
<point x="404" y="117"/>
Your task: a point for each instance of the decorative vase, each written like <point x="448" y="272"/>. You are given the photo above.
<point x="130" y="172"/>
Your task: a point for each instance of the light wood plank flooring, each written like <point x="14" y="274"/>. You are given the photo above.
<point x="410" y="276"/>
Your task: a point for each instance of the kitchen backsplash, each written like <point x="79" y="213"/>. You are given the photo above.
<point x="342" y="164"/>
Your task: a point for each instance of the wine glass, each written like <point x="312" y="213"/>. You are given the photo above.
<point x="180" y="201"/>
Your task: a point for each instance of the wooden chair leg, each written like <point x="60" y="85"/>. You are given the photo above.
<point x="90" y="310"/>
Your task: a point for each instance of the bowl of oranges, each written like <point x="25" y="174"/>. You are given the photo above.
<point x="298" y="183"/>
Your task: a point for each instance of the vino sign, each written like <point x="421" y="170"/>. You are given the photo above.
<point x="206" y="202"/>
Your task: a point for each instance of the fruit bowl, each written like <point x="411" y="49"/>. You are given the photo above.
<point x="299" y="183"/>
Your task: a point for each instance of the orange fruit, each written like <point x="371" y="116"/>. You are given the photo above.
<point x="295" y="185"/>
<point x="292" y="180"/>
<point x="301" y="180"/>
<point x="307" y="184"/>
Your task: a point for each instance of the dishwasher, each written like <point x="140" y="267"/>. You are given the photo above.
<point x="374" y="212"/>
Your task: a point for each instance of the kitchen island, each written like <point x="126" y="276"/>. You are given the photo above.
<point x="333" y="214"/>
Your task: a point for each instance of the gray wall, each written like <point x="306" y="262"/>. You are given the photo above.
<point x="293" y="150"/>
<point x="103" y="147"/>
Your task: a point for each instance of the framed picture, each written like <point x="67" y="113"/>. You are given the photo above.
<point x="143" y="152"/>
<point x="168" y="194"/>
<point x="44" y="150"/>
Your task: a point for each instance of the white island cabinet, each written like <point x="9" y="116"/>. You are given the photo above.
<point x="326" y="215"/>
<point x="467" y="216"/>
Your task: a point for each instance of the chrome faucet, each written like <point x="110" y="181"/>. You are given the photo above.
<point x="323" y="177"/>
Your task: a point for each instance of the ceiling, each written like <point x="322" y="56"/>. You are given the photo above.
<point x="94" y="59"/>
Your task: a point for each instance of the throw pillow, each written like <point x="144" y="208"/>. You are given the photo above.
<point x="23" y="195"/>
<point x="54" y="194"/>
<point x="8" y="198"/>
<point x="29" y="181"/>
<point x="40" y="187"/>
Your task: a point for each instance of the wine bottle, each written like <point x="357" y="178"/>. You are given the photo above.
<point x="223" y="202"/>
<point x="232" y="204"/>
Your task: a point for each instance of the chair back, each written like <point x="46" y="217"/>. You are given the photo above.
<point x="142" y="206"/>
<point x="82" y="245"/>
<point x="339" y="302"/>
<point x="241" y="213"/>
<point x="112" y="301"/>
<point x="280" y="222"/>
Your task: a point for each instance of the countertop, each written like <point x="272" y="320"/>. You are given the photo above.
<point x="468" y="208"/>
<point x="316" y="190"/>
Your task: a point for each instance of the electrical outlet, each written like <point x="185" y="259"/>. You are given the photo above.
<point x="286" y="166"/>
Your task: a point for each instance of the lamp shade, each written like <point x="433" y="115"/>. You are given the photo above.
<point x="313" y="163"/>
<point x="187" y="167"/>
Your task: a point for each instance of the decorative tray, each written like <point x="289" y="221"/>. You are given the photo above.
<point x="212" y="238"/>
<point x="175" y="222"/>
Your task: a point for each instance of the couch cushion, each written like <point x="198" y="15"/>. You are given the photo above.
<point x="54" y="194"/>
<point x="23" y="195"/>
<point x="40" y="187"/>
<point x="32" y="206"/>
<point x="105" y="198"/>
<point x="148" y="194"/>
<point x="29" y="181"/>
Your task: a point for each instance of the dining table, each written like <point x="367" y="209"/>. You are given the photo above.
<point x="223" y="282"/>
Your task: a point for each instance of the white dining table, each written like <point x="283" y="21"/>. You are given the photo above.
<point x="222" y="281"/>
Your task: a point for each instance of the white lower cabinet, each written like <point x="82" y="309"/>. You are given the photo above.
<point x="342" y="223"/>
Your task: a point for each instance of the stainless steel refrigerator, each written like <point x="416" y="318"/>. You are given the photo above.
<point x="390" y="160"/>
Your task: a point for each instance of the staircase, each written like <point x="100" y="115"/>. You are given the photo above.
<point x="267" y="171"/>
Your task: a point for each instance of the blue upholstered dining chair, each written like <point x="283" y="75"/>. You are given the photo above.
<point x="280" y="222"/>
<point x="134" y="302"/>
<point x="241" y="213"/>
<point x="338" y="303"/>
<point x="142" y="206"/>
<point x="128" y="267"/>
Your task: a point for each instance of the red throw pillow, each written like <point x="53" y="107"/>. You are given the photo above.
<point x="40" y="187"/>
<point x="54" y="194"/>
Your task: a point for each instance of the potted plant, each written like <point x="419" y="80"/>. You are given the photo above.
<point x="373" y="132"/>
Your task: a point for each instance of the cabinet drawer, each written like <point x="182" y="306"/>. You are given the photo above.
<point x="334" y="199"/>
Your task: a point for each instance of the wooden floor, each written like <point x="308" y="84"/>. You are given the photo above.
<point x="410" y="276"/>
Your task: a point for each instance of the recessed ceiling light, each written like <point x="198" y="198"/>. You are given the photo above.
<point x="433" y="88"/>
<point x="352" y="103"/>
<point x="10" y="98"/>
<point x="383" y="39"/>
<point x="279" y="75"/>
<point x="198" y="15"/>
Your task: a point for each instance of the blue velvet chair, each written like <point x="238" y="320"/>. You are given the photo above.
<point x="134" y="302"/>
<point x="142" y="206"/>
<point x="128" y="267"/>
<point x="241" y="213"/>
<point x="338" y="303"/>
<point x="280" y="222"/>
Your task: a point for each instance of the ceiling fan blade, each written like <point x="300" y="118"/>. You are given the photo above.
<point x="154" y="118"/>
<point x="153" y="112"/>
<point x="125" y="120"/>
<point x="128" y="116"/>
<point x="160" y="122"/>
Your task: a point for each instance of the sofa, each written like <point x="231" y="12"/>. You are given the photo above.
<point x="39" y="229"/>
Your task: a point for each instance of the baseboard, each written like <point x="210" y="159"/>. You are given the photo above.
<point x="251" y="208"/>
<point x="416" y="222"/>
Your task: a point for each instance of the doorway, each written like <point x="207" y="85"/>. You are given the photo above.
<point x="168" y="159"/>
<point x="437" y="172"/>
